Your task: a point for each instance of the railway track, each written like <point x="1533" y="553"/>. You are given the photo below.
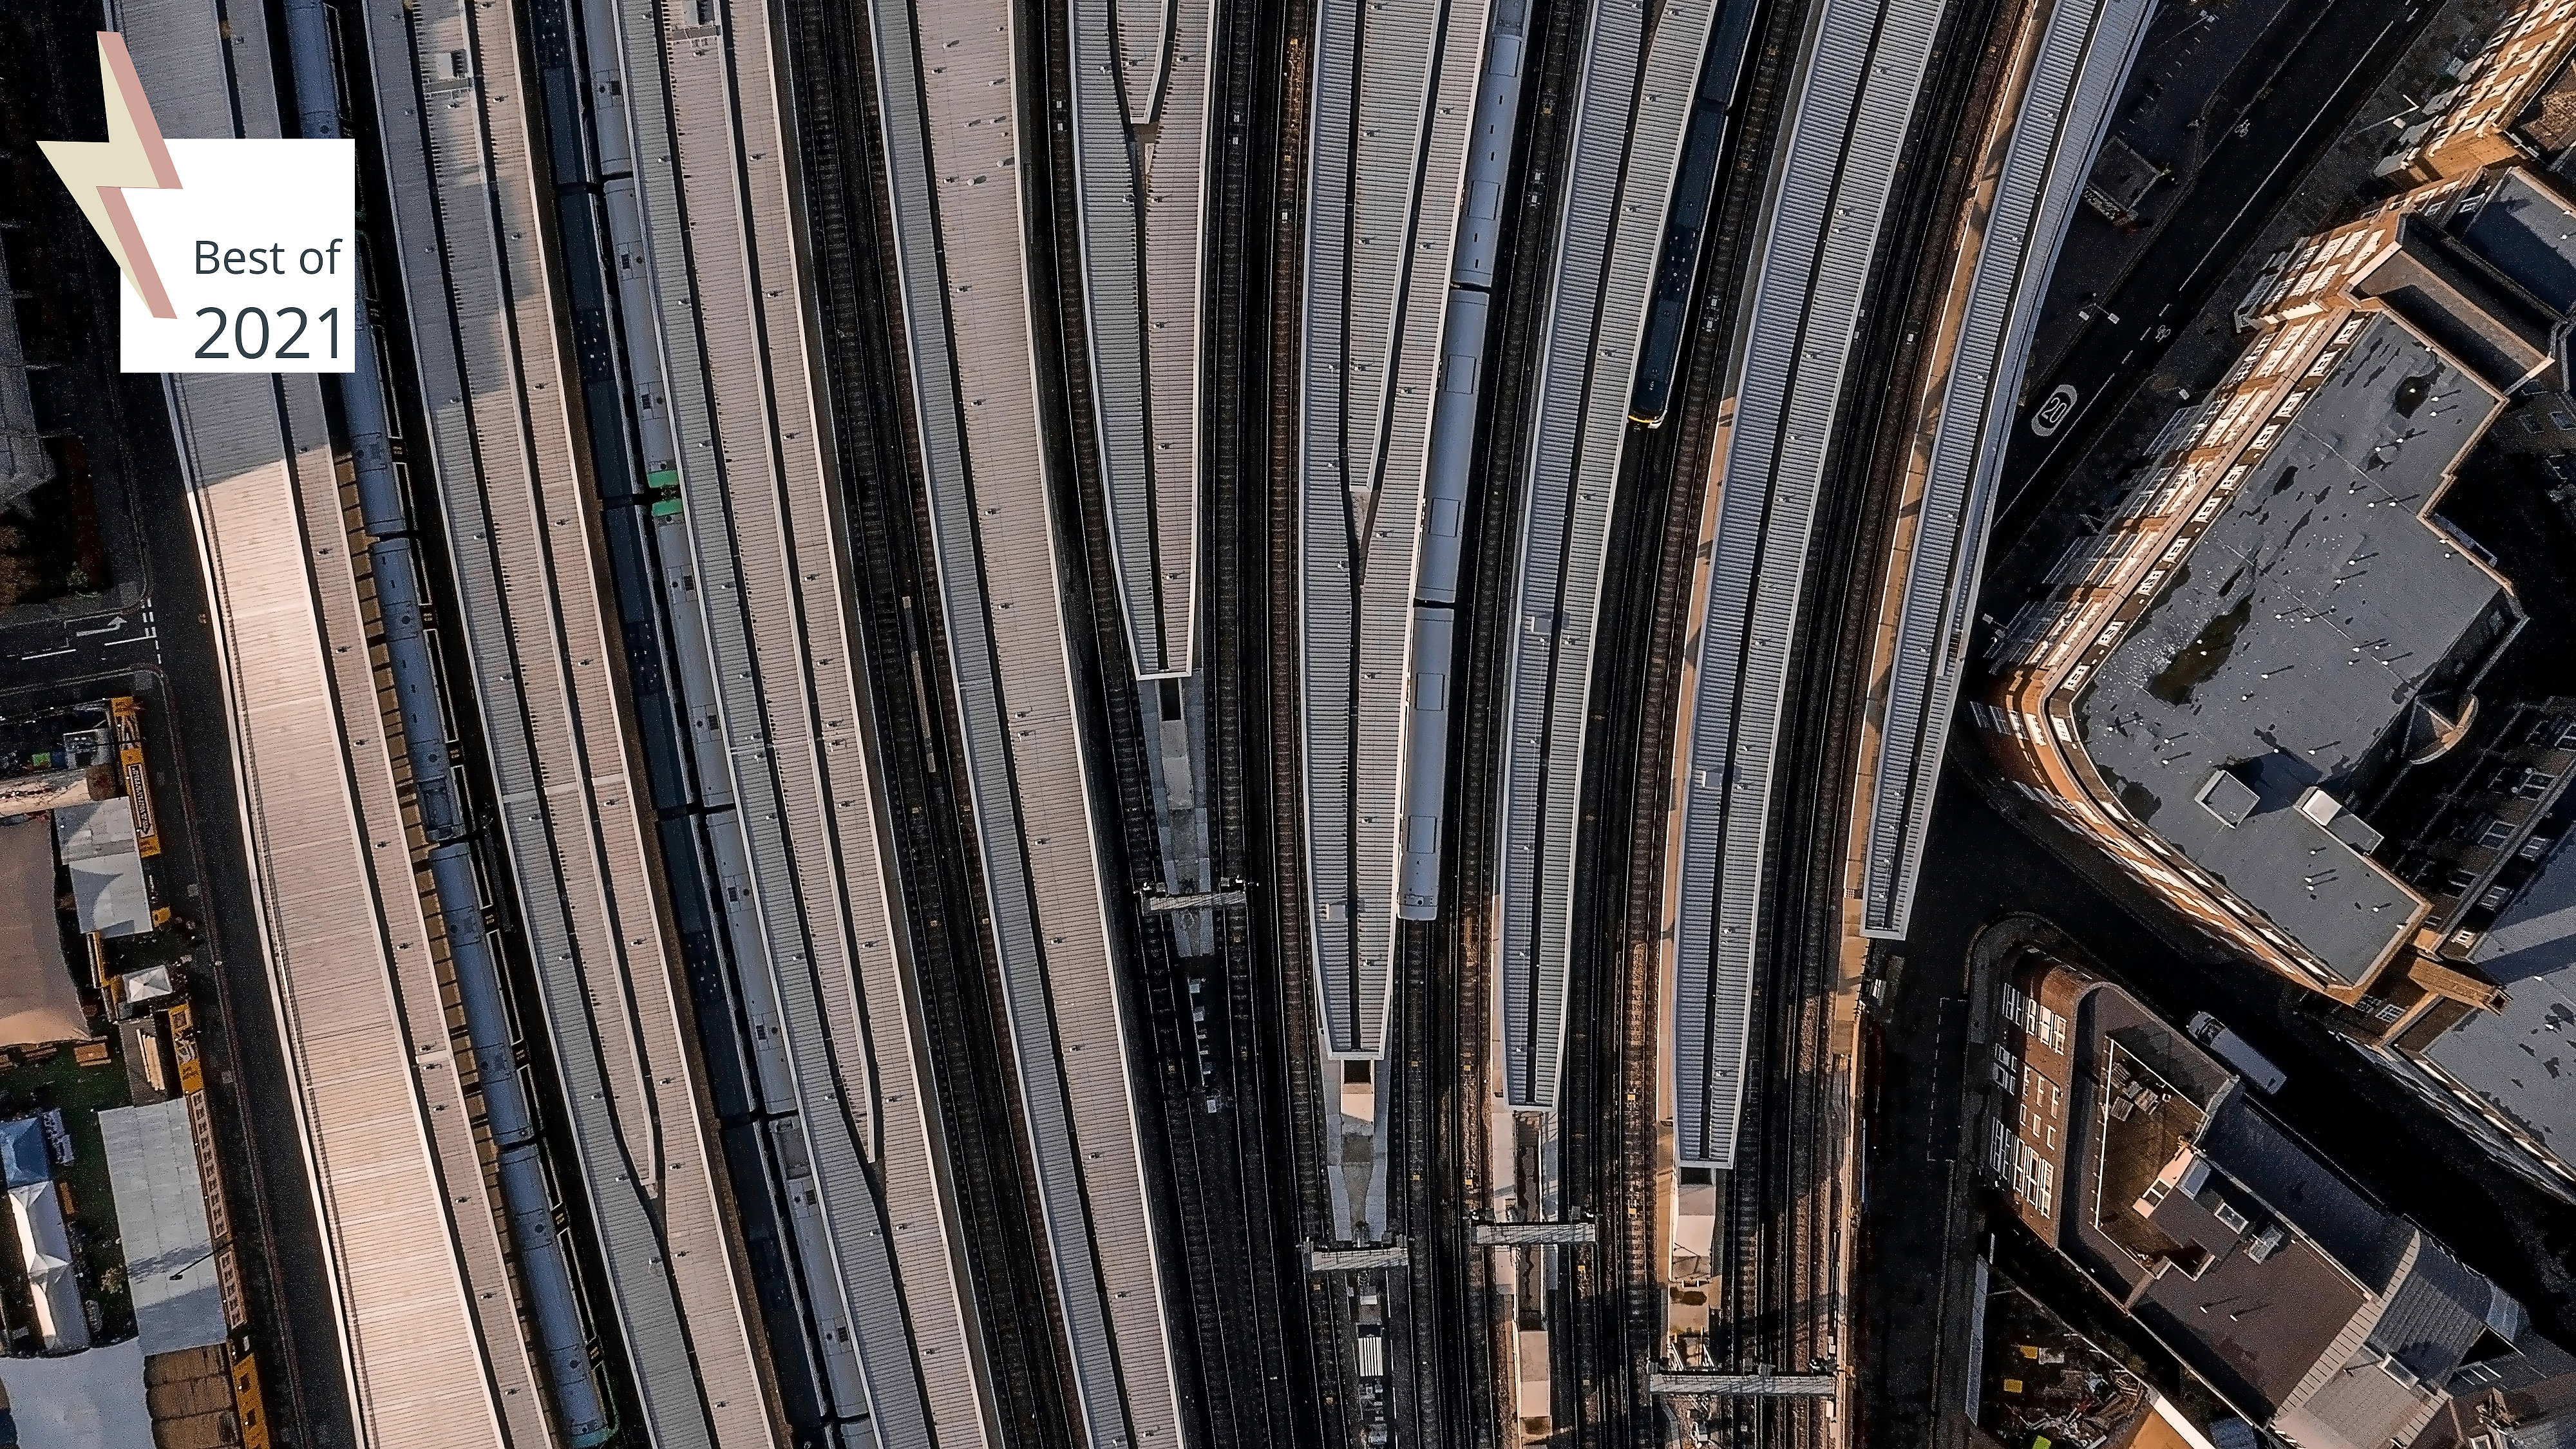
<point x="918" y="735"/>
<point x="1781" y="1235"/>
<point x="1208" y="1337"/>
<point x="1226" y="1143"/>
<point x="1217" y="1164"/>
<point x="1522" y="267"/>
<point x="1267" y="1014"/>
<point x="1265" y="718"/>
<point x="1612" y="1321"/>
<point x="1774" y="1302"/>
<point x="1909" y="290"/>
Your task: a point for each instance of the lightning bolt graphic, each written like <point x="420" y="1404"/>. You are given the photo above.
<point x="97" y="172"/>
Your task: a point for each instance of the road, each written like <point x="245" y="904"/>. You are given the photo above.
<point x="1988" y="859"/>
<point x="145" y="632"/>
<point x="2260" y="151"/>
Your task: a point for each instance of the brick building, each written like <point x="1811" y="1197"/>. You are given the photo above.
<point x="2305" y="1304"/>
<point x="2277" y="622"/>
<point x="2512" y="100"/>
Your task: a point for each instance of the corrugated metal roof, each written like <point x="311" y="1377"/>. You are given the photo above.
<point x="780" y="734"/>
<point x="1854" y="105"/>
<point x="1139" y="153"/>
<point x="161" y="1217"/>
<point x="361" y="1086"/>
<point x="1393" y="100"/>
<point x="1631" y="114"/>
<point x="312" y="771"/>
<point x="948" y="126"/>
<point x="2084" y="57"/>
<point x="500" y="454"/>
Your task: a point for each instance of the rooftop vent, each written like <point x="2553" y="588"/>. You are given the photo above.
<point x="2329" y="814"/>
<point x="2227" y="797"/>
<point x="2405" y="1376"/>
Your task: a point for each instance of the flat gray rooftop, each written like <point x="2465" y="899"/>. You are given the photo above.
<point x="2295" y="636"/>
<point x="161" y="1211"/>
<point x="2523" y="1062"/>
<point x="2528" y="234"/>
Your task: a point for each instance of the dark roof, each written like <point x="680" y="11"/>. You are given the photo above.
<point x="2464" y="307"/>
<point x="2246" y="1143"/>
<point x="2290" y="1254"/>
<point x="2294" y="637"/>
<point x="2528" y="234"/>
<point x="2534" y="936"/>
<point x="2549" y="121"/>
<point x="2384" y="1388"/>
<point x="2522" y="1061"/>
<point x="2253" y="1329"/>
<point x="2557" y="1431"/>
<point x="2435" y="1314"/>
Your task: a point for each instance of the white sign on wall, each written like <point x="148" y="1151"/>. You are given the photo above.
<point x="238" y="255"/>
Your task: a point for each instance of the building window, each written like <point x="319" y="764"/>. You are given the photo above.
<point x="1999" y="1150"/>
<point x="2495" y="832"/>
<point x="2007" y="1067"/>
<point x="2534" y="784"/>
<point x="2034" y="1177"/>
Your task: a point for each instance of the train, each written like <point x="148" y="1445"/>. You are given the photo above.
<point x="1713" y="109"/>
<point x="1441" y="537"/>
<point x="565" y="1343"/>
